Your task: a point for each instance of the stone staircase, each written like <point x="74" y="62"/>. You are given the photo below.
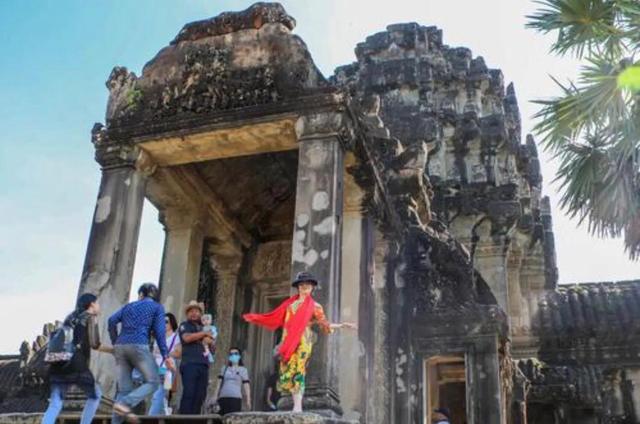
<point x="238" y="418"/>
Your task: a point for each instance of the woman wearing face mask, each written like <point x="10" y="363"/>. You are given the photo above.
<point x="234" y="382"/>
<point x="296" y="315"/>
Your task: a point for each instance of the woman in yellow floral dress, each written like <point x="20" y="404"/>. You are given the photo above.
<point x="296" y="315"/>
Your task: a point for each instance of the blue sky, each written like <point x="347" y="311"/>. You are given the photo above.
<point x="56" y="56"/>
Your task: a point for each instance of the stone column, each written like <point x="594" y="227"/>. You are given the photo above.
<point x="111" y="251"/>
<point x="483" y="383"/>
<point x="379" y="390"/>
<point x="317" y="244"/>
<point x="354" y="273"/>
<point x="181" y="259"/>
<point x="491" y="261"/>
<point x="514" y="289"/>
<point x="227" y="267"/>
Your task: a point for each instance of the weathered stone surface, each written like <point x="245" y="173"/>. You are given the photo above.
<point x="281" y="418"/>
<point x="20" y="418"/>
<point x="235" y="60"/>
<point x="316" y="247"/>
<point x="450" y="248"/>
<point x="253" y="17"/>
<point x="111" y="252"/>
<point x="272" y="261"/>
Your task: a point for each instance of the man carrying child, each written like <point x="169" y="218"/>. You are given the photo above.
<point x="197" y="345"/>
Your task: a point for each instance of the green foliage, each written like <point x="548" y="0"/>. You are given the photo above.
<point x="593" y="127"/>
<point x="134" y="97"/>
<point x="630" y="78"/>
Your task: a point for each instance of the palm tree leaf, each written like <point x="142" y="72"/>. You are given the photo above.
<point x="629" y="79"/>
<point x="582" y="25"/>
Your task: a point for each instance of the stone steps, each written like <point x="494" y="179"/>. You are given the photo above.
<point x="239" y="418"/>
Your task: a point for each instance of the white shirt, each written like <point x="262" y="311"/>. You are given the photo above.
<point x="173" y="341"/>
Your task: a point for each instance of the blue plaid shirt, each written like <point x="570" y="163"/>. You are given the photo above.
<point x="137" y="320"/>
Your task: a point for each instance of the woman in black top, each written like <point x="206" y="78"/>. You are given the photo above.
<point x="76" y="372"/>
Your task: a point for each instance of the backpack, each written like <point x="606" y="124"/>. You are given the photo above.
<point x="61" y="346"/>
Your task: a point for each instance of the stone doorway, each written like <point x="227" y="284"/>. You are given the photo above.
<point x="446" y="387"/>
<point x="258" y="192"/>
<point x="229" y="225"/>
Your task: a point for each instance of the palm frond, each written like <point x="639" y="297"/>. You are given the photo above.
<point x="582" y="25"/>
<point x="596" y="101"/>
<point x="629" y="21"/>
<point x="561" y="118"/>
<point x="593" y="126"/>
<point x="599" y="185"/>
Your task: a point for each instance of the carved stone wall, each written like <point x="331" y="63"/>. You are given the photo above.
<point x="203" y="71"/>
<point x="271" y="262"/>
<point x="456" y="243"/>
<point x="486" y="182"/>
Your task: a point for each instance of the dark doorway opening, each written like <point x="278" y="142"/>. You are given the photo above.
<point x="447" y="387"/>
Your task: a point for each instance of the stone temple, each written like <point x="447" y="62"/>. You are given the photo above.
<point x="401" y="181"/>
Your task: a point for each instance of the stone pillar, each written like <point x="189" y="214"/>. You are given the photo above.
<point x="227" y="267"/>
<point x="111" y="251"/>
<point x="379" y="389"/>
<point x="491" y="261"/>
<point x="354" y="261"/>
<point x="317" y="243"/>
<point x="514" y="289"/>
<point x="484" y="393"/>
<point x="181" y="259"/>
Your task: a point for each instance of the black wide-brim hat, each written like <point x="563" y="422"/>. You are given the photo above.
<point x="304" y="277"/>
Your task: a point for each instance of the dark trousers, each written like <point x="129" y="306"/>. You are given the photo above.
<point x="194" y="387"/>
<point x="229" y="405"/>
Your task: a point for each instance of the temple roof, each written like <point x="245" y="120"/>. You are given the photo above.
<point x="591" y="309"/>
<point x="9" y="371"/>
<point x="254" y="17"/>
<point x="12" y="395"/>
<point x="234" y="60"/>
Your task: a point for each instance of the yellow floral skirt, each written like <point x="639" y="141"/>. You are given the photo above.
<point x="293" y="372"/>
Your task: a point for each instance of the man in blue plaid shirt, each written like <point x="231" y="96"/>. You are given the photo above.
<point x="131" y="348"/>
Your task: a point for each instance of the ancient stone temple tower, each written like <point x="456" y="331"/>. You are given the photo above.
<point x="401" y="182"/>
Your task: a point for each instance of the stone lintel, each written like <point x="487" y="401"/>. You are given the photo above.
<point x="136" y="132"/>
<point x="245" y="140"/>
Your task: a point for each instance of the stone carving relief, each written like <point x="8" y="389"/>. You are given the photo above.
<point x="208" y="83"/>
<point x="272" y="260"/>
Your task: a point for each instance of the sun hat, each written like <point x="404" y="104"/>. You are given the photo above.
<point x="304" y="277"/>
<point x="194" y="304"/>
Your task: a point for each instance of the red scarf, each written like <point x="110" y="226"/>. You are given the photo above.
<point x="294" y="327"/>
